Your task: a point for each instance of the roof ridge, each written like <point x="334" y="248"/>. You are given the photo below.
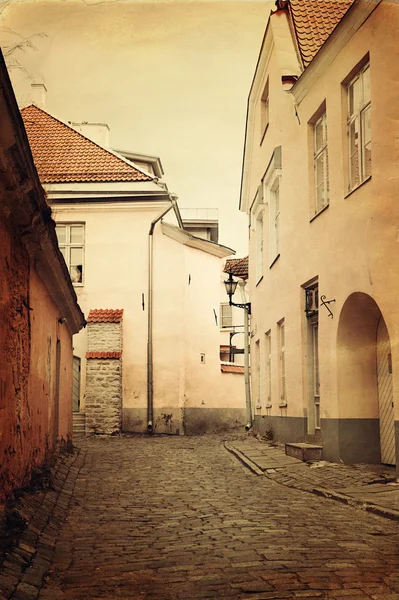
<point x="68" y="126"/>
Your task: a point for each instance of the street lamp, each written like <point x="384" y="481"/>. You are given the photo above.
<point x="231" y="286"/>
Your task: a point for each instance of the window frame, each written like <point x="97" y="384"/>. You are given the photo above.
<point x="282" y="363"/>
<point x="264" y="111"/>
<point x="268" y="353"/>
<point x="222" y="317"/>
<point x="68" y="245"/>
<point x="318" y="153"/>
<point x="358" y="115"/>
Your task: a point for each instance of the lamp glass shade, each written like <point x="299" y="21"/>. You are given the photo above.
<point x="230" y="286"/>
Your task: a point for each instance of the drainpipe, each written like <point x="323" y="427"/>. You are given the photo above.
<point x="150" y="392"/>
<point x="246" y="359"/>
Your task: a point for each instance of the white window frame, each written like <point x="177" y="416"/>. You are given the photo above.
<point x="258" y="230"/>
<point x="225" y="307"/>
<point x="282" y="366"/>
<point x="268" y="351"/>
<point x="320" y="153"/>
<point x="272" y="195"/>
<point x="257" y="386"/>
<point x="264" y="110"/>
<point x="359" y="116"/>
<point x="68" y="245"/>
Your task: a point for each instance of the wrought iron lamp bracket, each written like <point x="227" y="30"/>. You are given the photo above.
<point x="247" y="305"/>
<point x="325" y="303"/>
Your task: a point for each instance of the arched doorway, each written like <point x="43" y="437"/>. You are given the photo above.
<point x="365" y="427"/>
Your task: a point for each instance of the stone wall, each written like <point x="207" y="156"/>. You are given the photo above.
<point x="104" y="377"/>
<point x="103" y="395"/>
<point x="104" y="337"/>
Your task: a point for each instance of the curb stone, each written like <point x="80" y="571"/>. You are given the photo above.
<point x="323" y="492"/>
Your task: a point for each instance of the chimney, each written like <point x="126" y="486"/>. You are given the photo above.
<point x="38" y="93"/>
<point x="97" y="132"/>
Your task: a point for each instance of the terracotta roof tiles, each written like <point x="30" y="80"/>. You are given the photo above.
<point x="63" y="155"/>
<point x="105" y="315"/>
<point x="238" y="267"/>
<point x="103" y="354"/>
<point x="232" y="369"/>
<point x="314" y="21"/>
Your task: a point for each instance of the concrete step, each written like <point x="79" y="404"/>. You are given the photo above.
<point x="304" y="451"/>
<point x="79" y="424"/>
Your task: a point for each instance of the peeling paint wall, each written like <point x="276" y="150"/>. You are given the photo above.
<point x="31" y="427"/>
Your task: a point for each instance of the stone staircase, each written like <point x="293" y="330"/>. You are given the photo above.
<point x="79" y="424"/>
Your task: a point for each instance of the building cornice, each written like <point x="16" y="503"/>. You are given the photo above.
<point x="187" y="239"/>
<point x="357" y="14"/>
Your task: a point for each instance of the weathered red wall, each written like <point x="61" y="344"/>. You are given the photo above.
<point x="28" y="338"/>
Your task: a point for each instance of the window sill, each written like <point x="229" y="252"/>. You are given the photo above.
<point x="259" y="280"/>
<point x="283" y="405"/>
<point x="264" y="133"/>
<point x="357" y="187"/>
<point x="319" y="213"/>
<point x="274" y="261"/>
<point x="268" y="406"/>
<point x="258" y="407"/>
<point x="77" y="284"/>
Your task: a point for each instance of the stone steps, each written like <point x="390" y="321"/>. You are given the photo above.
<point x="79" y="424"/>
<point x="304" y="452"/>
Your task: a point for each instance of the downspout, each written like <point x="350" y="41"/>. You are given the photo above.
<point x="246" y="360"/>
<point x="150" y="392"/>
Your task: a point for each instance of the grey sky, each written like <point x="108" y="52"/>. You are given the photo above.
<point x="170" y="79"/>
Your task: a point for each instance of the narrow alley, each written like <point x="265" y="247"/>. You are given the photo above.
<point x="172" y="517"/>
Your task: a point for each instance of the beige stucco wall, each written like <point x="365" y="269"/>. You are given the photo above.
<point x="351" y="246"/>
<point x="186" y="293"/>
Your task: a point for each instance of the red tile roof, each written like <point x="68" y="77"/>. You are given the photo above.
<point x="232" y="369"/>
<point x="103" y="354"/>
<point x="314" y="21"/>
<point x="63" y="155"/>
<point x="105" y="315"/>
<point x="237" y="266"/>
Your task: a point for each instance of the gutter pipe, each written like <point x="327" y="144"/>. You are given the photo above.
<point x="150" y="361"/>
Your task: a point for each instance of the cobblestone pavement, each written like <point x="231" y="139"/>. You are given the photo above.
<point x="371" y="487"/>
<point x="180" y="518"/>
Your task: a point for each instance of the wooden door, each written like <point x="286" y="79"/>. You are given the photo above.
<point x="385" y="395"/>
<point x="76" y="385"/>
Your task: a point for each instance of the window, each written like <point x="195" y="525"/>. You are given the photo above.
<point x="259" y="245"/>
<point x="269" y="369"/>
<point x="264" y="110"/>
<point x="274" y="220"/>
<point x="226" y="316"/>
<point x="71" y="243"/>
<point x="312" y="316"/>
<point x="359" y="127"/>
<point x="321" y="163"/>
<point x="281" y="340"/>
<point x="257" y="379"/>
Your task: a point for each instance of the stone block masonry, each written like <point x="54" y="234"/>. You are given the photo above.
<point x="104" y="337"/>
<point x="103" y="396"/>
<point x="104" y="372"/>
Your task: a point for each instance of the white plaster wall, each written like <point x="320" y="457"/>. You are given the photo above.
<point x="351" y="246"/>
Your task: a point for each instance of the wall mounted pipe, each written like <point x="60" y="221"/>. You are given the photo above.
<point x="150" y="358"/>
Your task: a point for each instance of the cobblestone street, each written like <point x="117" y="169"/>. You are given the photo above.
<point x="180" y="517"/>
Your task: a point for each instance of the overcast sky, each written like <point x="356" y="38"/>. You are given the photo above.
<point x="170" y="79"/>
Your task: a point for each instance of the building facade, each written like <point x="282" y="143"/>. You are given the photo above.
<point x="136" y="271"/>
<point x="39" y="313"/>
<point x="320" y="189"/>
